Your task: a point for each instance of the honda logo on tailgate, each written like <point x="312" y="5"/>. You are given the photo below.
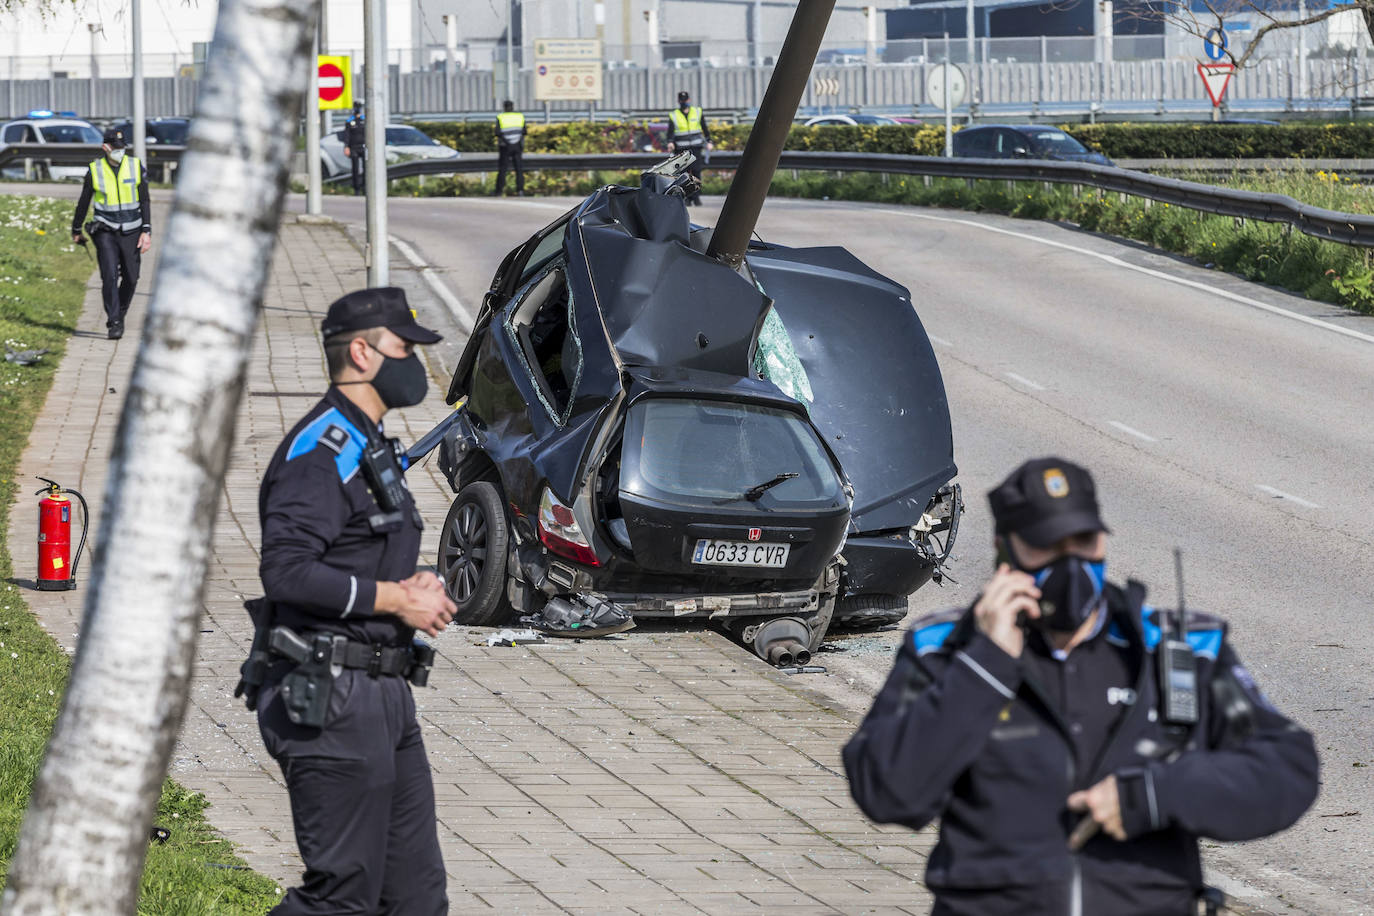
<point x="755" y="533"/>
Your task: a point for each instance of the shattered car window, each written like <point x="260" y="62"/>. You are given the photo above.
<point x="543" y="329"/>
<point x="711" y="451"/>
<point x="776" y="360"/>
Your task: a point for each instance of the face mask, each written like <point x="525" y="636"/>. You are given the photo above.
<point x="1070" y="589"/>
<point x="401" y="382"/>
<point x="116" y="156"/>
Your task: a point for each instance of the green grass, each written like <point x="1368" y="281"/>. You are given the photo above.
<point x="1264" y="252"/>
<point x="42" y="284"/>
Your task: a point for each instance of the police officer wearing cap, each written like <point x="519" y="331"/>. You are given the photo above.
<point x="510" y="148"/>
<point x="687" y="130"/>
<point x="1074" y="741"/>
<point x="121" y="225"/>
<point x="355" y="147"/>
<point x="340" y="540"/>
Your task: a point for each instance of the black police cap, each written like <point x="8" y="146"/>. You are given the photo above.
<point x="114" y="139"/>
<point x="379" y="307"/>
<point x="1046" y="500"/>
<point x="683" y="96"/>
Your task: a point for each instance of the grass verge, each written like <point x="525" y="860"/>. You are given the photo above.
<point x="1264" y="252"/>
<point x="42" y="285"/>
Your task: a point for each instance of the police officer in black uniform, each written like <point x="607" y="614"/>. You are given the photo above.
<point x="1035" y="726"/>
<point x="355" y="146"/>
<point x="340" y="539"/>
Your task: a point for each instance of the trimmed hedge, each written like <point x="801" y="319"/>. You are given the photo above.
<point x="1119" y="141"/>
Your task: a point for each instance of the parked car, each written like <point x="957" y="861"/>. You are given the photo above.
<point x="158" y="132"/>
<point x="41" y="126"/>
<point x="1022" y="141"/>
<point x="639" y="423"/>
<point x="402" y="142"/>
<point x="848" y="119"/>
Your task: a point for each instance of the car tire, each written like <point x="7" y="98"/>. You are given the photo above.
<point x="868" y="611"/>
<point x="472" y="555"/>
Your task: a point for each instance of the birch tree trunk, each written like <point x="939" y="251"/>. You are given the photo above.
<point x="85" y="836"/>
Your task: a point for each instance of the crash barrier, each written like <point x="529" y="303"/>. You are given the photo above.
<point x="1331" y="225"/>
<point x="36" y="157"/>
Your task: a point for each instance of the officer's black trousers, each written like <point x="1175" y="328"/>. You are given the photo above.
<point x="362" y="801"/>
<point x="358" y="163"/>
<point x="509" y="157"/>
<point x="695" y="169"/>
<point x="118" y="257"/>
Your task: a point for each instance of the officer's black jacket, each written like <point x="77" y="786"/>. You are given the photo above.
<point x="355" y="136"/>
<point x="325" y="541"/>
<point x="957" y="733"/>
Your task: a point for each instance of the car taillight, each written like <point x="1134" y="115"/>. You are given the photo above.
<point x="559" y="531"/>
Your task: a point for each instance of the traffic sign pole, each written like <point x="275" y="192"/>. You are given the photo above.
<point x="313" y="204"/>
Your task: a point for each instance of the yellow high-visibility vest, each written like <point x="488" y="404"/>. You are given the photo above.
<point x="115" y="203"/>
<point x="687" y="127"/>
<point x="511" y="125"/>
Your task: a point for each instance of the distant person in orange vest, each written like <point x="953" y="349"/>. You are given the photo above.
<point x="687" y="130"/>
<point x="510" y="147"/>
<point x="121" y="225"/>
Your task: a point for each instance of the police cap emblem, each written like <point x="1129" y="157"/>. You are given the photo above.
<point x="1056" y="484"/>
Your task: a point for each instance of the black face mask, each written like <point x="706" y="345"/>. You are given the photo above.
<point x="401" y="382"/>
<point x="1070" y="589"/>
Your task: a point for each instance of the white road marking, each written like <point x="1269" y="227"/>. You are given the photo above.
<point x="1158" y="274"/>
<point x="1022" y="380"/>
<point x="455" y="308"/>
<point x="940" y="340"/>
<point x="1279" y="494"/>
<point x="1132" y="432"/>
<point x="516" y="202"/>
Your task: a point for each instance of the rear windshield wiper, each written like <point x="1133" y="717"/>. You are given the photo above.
<point x="753" y="493"/>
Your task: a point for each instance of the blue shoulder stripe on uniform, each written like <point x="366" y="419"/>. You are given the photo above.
<point x="928" y="639"/>
<point x="346" y="459"/>
<point x="1205" y="641"/>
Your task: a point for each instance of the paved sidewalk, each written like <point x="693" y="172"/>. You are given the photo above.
<point x="656" y="772"/>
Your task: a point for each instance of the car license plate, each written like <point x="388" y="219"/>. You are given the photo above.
<point x="740" y="553"/>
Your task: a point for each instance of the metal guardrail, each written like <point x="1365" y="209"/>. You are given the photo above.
<point x="1348" y="228"/>
<point x="1332" y="225"/>
<point x="62" y="154"/>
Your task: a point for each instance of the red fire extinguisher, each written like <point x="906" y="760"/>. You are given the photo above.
<point x="56" y="565"/>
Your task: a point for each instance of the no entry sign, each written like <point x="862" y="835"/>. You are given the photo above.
<point x="336" y="83"/>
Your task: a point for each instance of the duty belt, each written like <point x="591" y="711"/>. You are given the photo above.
<point x="376" y="660"/>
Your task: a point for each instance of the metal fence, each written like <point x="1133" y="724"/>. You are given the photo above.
<point x="1021" y="75"/>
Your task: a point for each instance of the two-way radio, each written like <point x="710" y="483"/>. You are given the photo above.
<point x="1175" y="662"/>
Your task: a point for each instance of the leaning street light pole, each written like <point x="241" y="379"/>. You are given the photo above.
<point x="140" y="126"/>
<point x="740" y="212"/>
<point x="375" y="76"/>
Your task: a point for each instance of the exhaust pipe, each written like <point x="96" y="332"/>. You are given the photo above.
<point x="782" y="642"/>
<point x="730" y="240"/>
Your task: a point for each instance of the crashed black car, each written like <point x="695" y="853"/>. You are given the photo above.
<point x="639" y="423"/>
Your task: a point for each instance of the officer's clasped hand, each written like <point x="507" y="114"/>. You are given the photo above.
<point x="1009" y="594"/>
<point x="427" y="606"/>
<point x="1102" y="804"/>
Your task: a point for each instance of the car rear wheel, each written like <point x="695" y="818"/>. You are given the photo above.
<point x="472" y="555"/>
<point x="865" y="611"/>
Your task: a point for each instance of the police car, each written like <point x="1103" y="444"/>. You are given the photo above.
<point x="43" y="126"/>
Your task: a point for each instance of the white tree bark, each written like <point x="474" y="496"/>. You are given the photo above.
<point x="84" y="839"/>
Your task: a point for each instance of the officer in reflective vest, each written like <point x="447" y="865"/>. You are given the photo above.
<point x="116" y="187"/>
<point x="510" y="147"/>
<point x="687" y="130"/>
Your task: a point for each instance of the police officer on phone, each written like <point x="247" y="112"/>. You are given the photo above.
<point x="1073" y="740"/>
<point x="116" y="186"/>
<point x="340" y="539"/>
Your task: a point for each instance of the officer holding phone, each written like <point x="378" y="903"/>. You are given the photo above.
<point x="1073" y="740"/>
<point x="340" y="540"/>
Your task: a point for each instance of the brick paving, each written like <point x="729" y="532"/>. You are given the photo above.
<point x="659" y="771"/>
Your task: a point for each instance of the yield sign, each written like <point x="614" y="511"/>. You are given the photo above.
<point x="1215" y="79"/>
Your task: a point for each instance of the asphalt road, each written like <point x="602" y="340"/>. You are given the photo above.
<point x="1225" y="418"/>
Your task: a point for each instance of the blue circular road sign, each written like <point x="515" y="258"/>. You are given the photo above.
<point x="1215" y="44"/>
